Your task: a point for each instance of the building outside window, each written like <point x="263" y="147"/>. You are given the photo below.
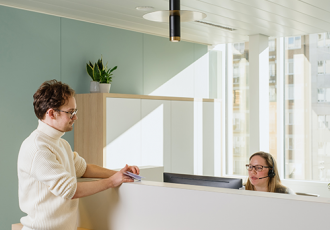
<point x="323" y="40"/>
<point x="307" y="102"/>
<point x="323" y="95"/>
<point x="272" y="94"/>
<point x="236" y="73"/>
<point x="239" y="48"/>
<point x="320" y="40"/>
<point x="293" y="42"/>
<point x="271" y="45"/>
<point x="272" y="72"/>
<point x="306" y="92"/>
<point x="289" y="67"/>
<point x="327" y="67"/>
<point x="320" y="67"/>
<point x="239" y="132"/>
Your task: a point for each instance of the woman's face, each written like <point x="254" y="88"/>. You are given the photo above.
<point x="254" y="175"/>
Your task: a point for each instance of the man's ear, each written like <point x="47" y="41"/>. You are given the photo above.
<point x="51" y="113"/>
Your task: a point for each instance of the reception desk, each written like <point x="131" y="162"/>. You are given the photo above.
<point x="150" y="205"/>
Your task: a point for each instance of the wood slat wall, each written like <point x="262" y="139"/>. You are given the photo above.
<point x="89" y="129"/>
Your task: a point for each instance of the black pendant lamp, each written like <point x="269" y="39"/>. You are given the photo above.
<point x="174" y="16"/>
<point x="175" y="24"/>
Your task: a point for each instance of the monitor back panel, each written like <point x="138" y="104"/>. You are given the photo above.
<point x="220" y="182"/>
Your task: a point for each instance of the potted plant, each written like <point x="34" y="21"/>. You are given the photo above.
<point x="106" y="78"/>
<point x="94" y="72"/>
<point x="101" y="76"/>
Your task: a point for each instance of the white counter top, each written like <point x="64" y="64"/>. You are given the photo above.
<point x="156" y="205"/>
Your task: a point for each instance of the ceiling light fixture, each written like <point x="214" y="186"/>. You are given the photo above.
<point x="174" y="16"/>
<point x="215" y="25"/>
<point x="144" y="8"/>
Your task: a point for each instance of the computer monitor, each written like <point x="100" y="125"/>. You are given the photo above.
<point x="220" y="182"/>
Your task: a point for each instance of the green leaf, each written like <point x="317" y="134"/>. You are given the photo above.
<point x="90" y="71"/>
<point x="102" y="79"/>
<point x="114" y="68"/>
<point x="100" y="64"/>
<point x="97" y="73"/>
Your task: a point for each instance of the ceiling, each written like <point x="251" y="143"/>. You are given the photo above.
<point x="273" y="18"/>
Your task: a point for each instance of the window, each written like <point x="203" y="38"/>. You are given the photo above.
<point x="271" y="45"/>
<point x="271" y="71"/>
<point x="236" y="73"/>
<point x="290" y="118"/>
<point x="320" y="67"/>
<point x="327" y="41"/>
<point x="327" y="67"/>
<point x="306" y="105"/>
<point x="272" y="94"/>
<point x="323" y="95"/>
<point x="293" y="42"/>
<point x="320" y="41"/>
<point x="272" y="99"/>
<point x="236" y="122"/>
<point x="239" y="48"/>
<point x="290" y="145"/>
<point x="322" y="122"/>
<point x="237" y="154"/>
<point x="323" y="40"/>
<point x="289" y="68"/>
<point x="306" y="122"/>
<point x="327" y="95"/>
<point x="236" y="95"/>
<point x="320" y="95"/>
<point x="290" y="92"/>
<point x="327" y="123"/>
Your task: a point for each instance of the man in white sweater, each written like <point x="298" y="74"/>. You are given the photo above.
<point x="48" y="169"/>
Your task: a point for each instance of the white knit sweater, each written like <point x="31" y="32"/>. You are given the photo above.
<point x="47" y="175"/>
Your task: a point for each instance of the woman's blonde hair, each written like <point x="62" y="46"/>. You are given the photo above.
<point x="274" y="183"/>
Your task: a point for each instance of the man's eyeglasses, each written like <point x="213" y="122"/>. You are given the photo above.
<point x="258" y="168"/>
<point x="74" y="112"/>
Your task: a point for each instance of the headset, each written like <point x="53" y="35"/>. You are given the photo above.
<point x="271" y="172"/>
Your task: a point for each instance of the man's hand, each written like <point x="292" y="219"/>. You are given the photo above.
<point x="118" y="178"/>
<point x="133" y="169"/>
<point x="113" y="180"/>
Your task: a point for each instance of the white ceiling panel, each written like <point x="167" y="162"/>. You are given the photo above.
<point x="307" y="7"/>
<point x="288" y="17"/>
<point x="321" y="4"/>
<point x="248" y="17"/>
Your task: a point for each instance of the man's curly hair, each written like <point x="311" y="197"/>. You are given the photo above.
<point x="51" y="94"/>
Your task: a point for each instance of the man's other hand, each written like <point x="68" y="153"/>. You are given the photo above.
<point x="118" y="178"/>
<point x="133" y="169"/>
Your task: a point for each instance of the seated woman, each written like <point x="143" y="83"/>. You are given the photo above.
<point x="263" y="174"/>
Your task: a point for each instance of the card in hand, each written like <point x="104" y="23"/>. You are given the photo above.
<point x="133" y="176"/>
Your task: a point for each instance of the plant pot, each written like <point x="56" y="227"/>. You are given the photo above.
<point x="105" y="87"/>
<point x="94" y="87"/>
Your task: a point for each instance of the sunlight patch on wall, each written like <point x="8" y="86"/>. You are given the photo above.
<point x="142" y="144"/>
<point x="192" y="82"/>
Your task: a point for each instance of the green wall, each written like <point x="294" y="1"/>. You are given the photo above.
<point x="35" y="47"/>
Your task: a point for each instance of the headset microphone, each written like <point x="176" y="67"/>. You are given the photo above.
<point x="263" y="177"/>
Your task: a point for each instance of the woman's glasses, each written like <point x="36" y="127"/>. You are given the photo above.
<point x="258" y="168"/>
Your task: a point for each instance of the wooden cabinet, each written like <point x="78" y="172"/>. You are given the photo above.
<point x="117" y="129"/>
